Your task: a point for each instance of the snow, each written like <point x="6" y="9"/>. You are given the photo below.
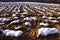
<point x="51" y="18"/>
<point x="18" y="27"/>
<point x="14" y="14"/>
<point x="5" y="31"/>
<point x="44" y="16"/>
<point x="5" y="20"/>
<point x="1" y="19"/>
<point x="18" y="10"/>
<point x="15" y="18"/>
<point x="15" y="21"/>
<point x="33" y="18"/>
<point x="18" y="33"/>
<point x="30" y="18"/>
<point x="28" y="23"/>
<point x="12" y="33"/>
<point x="41" y="23"/>
<point x="44" y="24"/>
<point x="27" y="18"/>
<point x="46" y="31"/>
<point x="55" y="21"/>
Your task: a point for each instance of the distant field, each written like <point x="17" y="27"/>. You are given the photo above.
<point x="45" y="1"/>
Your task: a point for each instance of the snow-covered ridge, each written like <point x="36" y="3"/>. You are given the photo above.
<point x="4" y="19"/>
<point x="8" y="32"/>
<point x="46" y="31"/>
<point x="30" y="19"/>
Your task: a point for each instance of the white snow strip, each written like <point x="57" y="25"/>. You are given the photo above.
<point x="33" y="18"/>
<point x="55" y="21"/>
<point x="46" y="31"/>
<point x="15" y="18"/>
<point x="4" y="19"/>
<point x="12" y="33"/>
<point x="30" y="18"/>
<point x="1" y="19"/>
<point x="15" y="21"/>
<point x="51" y="18"/>
<point x="27" y="18"/>
<point x="44" y="24"/>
